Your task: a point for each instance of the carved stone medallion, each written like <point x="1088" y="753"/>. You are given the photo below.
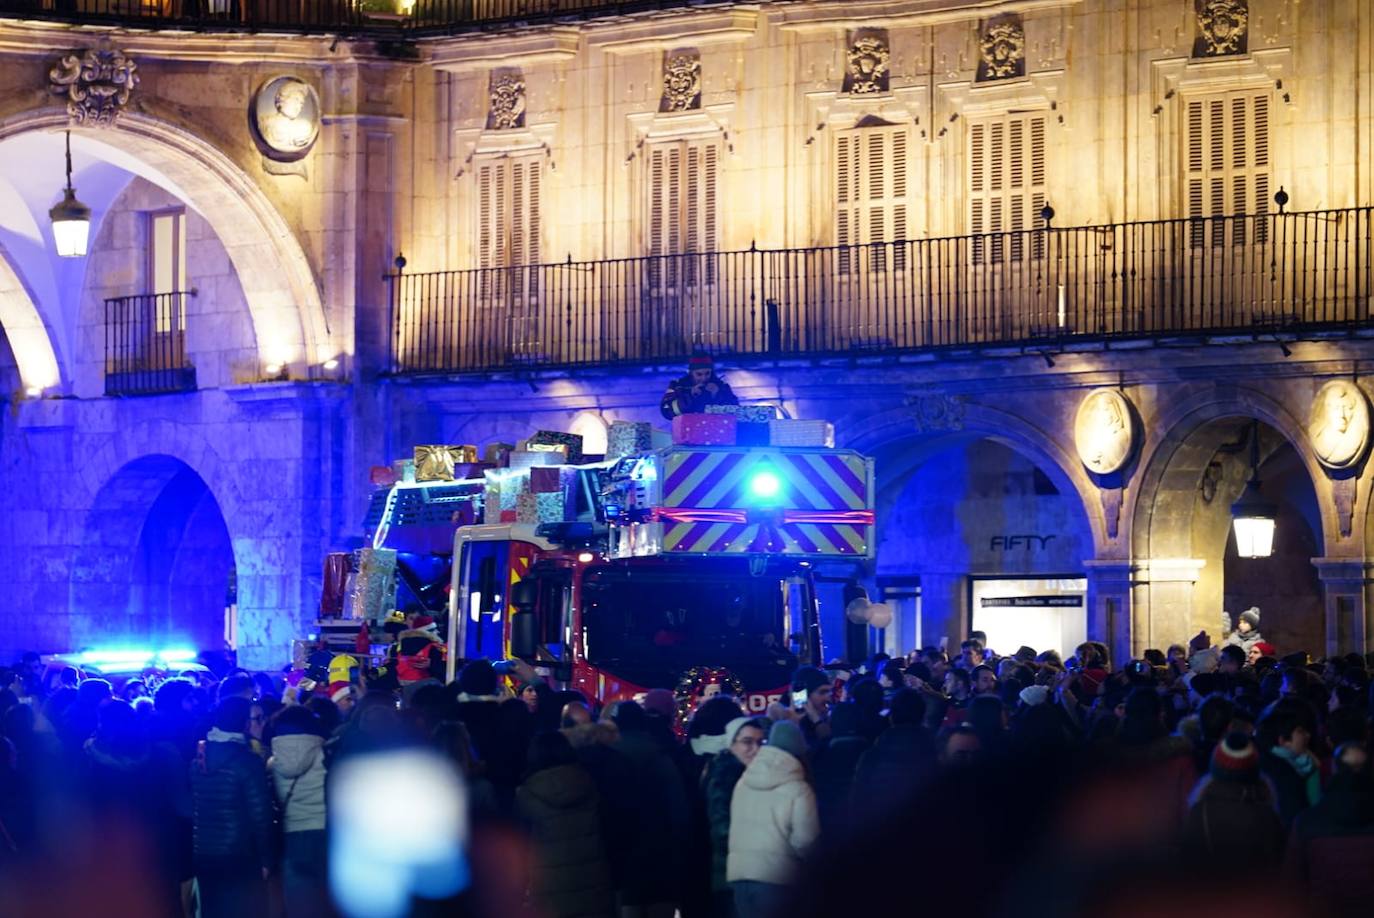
<point x="96" y="85"/>
<point x="868" y="63"/>
<point x="1339" y="424"/>
<point x="936" y="412"/>
<point x="681" y="82"/>
<point x="286" y="118"/>
<point x="507" y="96"/>
<point x="1223" y="26"/>
<point x="1103" y="431"/>
<point x="1002" y="49"/>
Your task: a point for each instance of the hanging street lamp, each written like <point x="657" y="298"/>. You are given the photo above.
<point x="71" y="220"/>
<point x="1253" y="517"/>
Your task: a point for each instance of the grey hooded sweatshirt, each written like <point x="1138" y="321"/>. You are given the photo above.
<point x="297" y="767"/>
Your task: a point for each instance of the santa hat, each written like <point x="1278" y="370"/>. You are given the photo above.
<point x="338" y="691"/>
<point x="1235" y="759"/>
<point x="424" y="623"/>
<point x="700" y="362"/>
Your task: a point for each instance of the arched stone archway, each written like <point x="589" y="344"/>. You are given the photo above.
<point x="156" y="563"/>
<point x="279" y="285"/>
<point x="30" y="338"/>
<point x="1187" y="570"/>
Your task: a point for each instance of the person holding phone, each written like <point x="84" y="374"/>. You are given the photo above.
<point x="812" y="695"/>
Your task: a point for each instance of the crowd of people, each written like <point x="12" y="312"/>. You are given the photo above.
<point x="998" y="784"/>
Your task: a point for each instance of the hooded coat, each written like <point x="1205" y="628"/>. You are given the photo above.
<point x="297" y="767"/>
<point x="773" y="819"/>
<point x="571" y="878"/>
<point x="722" y="774"/>
<point x="233" y="806"/>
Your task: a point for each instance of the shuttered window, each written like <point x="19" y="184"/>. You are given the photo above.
<point x="871" y="203"/>
<point x="1226" y="156"/>
<point x="508" y="221"/>
<point x="1006" y="186"/>
<point x="683" y="179"/>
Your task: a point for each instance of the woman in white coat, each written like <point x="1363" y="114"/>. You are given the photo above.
<point x="773" y="821"/>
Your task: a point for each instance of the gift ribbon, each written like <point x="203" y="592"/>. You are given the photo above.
<point x="764" y="517"/>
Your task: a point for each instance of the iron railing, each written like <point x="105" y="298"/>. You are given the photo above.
<point x="1245" y="274"/>
<point x="398" y="17"/>
<point x="145" y="344"/>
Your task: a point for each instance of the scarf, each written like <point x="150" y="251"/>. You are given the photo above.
<point x="1306" y="767"/>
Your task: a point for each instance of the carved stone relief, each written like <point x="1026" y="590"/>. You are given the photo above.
<point x="937" y="412"/>
<point x="506" y="93"/>
<point x="1104" y="431"/>
<point x="868" y="63"/>
<point x="1338" y="425"/>
<point x="286" y="118"/>
<point x="1222" y="27"/>
<point x="96" y="85"/>
<point x="681" y="82"/>
<point x="1002" y="49"/>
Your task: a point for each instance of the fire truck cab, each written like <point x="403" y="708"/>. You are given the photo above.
<point x="687" y="568"/>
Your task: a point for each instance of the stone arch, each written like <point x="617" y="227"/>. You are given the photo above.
<point x="278" y="282"/>
<point x="30" y="338"/>
<point x="155" y="563"/>
<point x="1185" y="569"/>
<point x="979" y="443"/>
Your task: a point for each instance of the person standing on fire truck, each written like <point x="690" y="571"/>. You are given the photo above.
<point x="701" y="387"/>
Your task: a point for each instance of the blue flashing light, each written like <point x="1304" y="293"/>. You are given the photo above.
<point x="134" y="658"/>
<point x="765" y="484"/>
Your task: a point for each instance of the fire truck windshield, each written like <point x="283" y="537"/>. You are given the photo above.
<point x="650" y="626"/>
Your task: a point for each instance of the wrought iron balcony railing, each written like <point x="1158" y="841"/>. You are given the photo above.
<point x="1265" y="274"/>
<point x="398" y="17"/>
<point x="145" y="344"/>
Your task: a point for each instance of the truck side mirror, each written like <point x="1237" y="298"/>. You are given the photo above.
<point x="524" y="634"/>
<point x="524" y="595"/>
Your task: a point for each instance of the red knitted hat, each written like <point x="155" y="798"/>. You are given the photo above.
<point x="1235" y="759"/>
<point x="1267" y="649"/>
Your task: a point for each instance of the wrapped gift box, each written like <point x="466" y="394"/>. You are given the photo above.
<point x="498" y="454"/>
<point x="801" y="433"/>
<point x="470" y="470"/>
<point x="382" y="476"/>
<point x="437" y="463"/>
<point x="404" y="470"/>
<point x="629" y="438"/>
<point x="337" y="566"/>
<point x="507" y="516"/>
<point x="527" y="508"/>
<point x="553" y="439"/>
<point x="527" y="458"/>
<point x="704" y="429"/>
<point x="752" y="433"/>
<point x="374" y="587"/>
<point x="550" y="507"/>
<point x="752" y="414"/>
<point x="547" y="479"/>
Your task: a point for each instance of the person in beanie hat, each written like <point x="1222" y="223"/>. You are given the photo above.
<point x="1247" y="633"/>
<point x="773" y="823"/>
<point x="298" y="777"/>
<point x="1231" y="813"/>
<point x="743" y="738"/>
<point x="691" y="394"/>
<point x="812" y="693"/>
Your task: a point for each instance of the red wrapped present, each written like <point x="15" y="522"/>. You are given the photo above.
<point x="704" y="429"/>
<point x="383" y="476"/>
<point x="508" y="516"/>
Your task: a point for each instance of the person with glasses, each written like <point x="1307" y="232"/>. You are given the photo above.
<point x="744" y="737"/>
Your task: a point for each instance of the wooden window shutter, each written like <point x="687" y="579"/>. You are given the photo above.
<point x="1006" y="187"/>
<point x="871" y="204"/>
<point x="684" y="209"/>
<point x="1226" y="161"/>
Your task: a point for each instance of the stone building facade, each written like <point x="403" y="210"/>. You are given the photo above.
<point x="940" y="228"/>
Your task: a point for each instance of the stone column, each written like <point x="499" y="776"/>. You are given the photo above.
<point x="1347" y="583"/>
<point x="1162" y="603"/>
<point x="944" y="608"/>
<point x="1109" y="606"/>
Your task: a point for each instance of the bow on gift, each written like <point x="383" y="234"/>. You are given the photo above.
<point x="767" y="519"/>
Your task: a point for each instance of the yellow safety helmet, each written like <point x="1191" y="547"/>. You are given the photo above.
<point x="397" y="617"/>
<point x="341" y="668"/>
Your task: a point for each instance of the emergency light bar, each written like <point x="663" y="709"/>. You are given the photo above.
<point x="135" y="658"/>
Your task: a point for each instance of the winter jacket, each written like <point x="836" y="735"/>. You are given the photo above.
<point x="836" y="763"/>
<point x="571" y="875"/>
<point x="722" y="774"/>
<point x="420" y="655"/>
<point x="891" y="770"/>
<point x="1243" y="641"/>
<point x="1236" y="821"/>
<point x="658" y="802"/>
<point x="1331" y="846"/>
<point x="680" y="400"/>
<point x="231" y="803"/>
<point x="1290" y="787"/>
<point x="773" y="819"/>
<point x="297" y="767"/>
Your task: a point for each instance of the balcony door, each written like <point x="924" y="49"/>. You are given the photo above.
<point x="1227" y="193"/>
<point x="509" y="227"/>
<point x="163" y="315"/>
<point x="1007" y="296"/>
<point x="682" y="237"/>
<point x="872" y="254"/>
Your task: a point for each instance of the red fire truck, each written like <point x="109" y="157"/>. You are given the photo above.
<point x="687" y="568"/>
